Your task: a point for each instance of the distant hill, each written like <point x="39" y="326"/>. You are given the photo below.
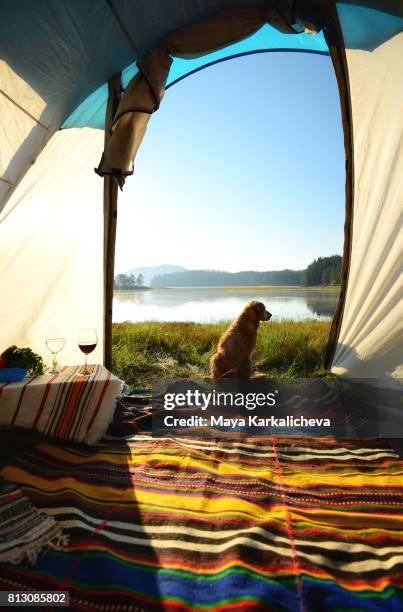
<point x="322" y="271"/>
<point x="214" y="278"/>
<point x="150" y="271"/>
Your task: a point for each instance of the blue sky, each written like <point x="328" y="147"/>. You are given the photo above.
<point x="241" y="168"/>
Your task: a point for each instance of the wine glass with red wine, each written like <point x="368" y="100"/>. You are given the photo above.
<point x="87" y="341"/>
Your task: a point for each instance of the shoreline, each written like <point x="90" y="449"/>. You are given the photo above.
<point x="243" y="288"/>
<point x="132" y="289"/>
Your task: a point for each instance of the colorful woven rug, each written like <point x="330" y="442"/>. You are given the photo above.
<point x="257" y="524"/>
<point x="24" y="531"/>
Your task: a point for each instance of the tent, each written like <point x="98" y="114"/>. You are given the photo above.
<point x="84" y="76"/>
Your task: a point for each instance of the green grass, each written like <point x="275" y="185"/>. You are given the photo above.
<point x="146" y="352"/>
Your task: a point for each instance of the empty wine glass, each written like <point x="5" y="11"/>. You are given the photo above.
<point x="87" y="341"/>
<point x="55" y="345"/>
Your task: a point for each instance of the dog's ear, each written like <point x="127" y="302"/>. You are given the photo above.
<point x="259" y="308"/>
<point x="261" y="312"/>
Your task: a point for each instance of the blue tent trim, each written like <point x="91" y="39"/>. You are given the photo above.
<point x="230" y="57"/>
<point x="91" y="112"/>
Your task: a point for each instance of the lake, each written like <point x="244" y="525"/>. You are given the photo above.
<point x="211" y="304"/>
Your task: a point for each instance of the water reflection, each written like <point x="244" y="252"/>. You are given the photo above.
<point x="205" y="304"/>
<point x="322" y="305"/>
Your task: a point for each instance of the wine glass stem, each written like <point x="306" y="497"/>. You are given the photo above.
<point x="54" y="362"/>
<point x="85" y="367"/>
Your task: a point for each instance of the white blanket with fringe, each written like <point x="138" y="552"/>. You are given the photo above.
<point x="68" y="405"/>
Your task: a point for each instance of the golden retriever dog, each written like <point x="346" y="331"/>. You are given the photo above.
<point x="232" y="359"/>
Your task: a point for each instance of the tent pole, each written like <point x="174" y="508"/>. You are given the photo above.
<point x="335" y="42"/>
<point x="110" y="220"/>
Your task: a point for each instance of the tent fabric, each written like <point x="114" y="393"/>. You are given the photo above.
<point x="53" y="54"/>
<point x="26" y="130"/>
<point x="144" y="93"/>
<point x="267" y="39"/>
<point x="62" y="52"/>
<point x="51" y="236"/>
<point x="91" y="112"/>
<point x="371" y="335"/>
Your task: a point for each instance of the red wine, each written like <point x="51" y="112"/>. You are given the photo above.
<point x="87" y="348"/>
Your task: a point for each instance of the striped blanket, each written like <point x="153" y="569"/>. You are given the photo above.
<point x="257" y="524"/>
<point x="66" y="405"/>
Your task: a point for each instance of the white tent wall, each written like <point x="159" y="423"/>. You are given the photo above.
<point x="24" y="128"/>
<point x="51" y="236"/>
<point x="371" y="335"/>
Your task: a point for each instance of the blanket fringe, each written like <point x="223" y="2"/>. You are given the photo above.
<point x="52" y="537"/>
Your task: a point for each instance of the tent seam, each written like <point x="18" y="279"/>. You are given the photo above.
<point x="122" y="26"/>
<point x="21" y="108"/>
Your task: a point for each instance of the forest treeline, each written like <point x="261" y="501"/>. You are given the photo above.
<point x="322" y="271"/>
<point x="128" y="281"/>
